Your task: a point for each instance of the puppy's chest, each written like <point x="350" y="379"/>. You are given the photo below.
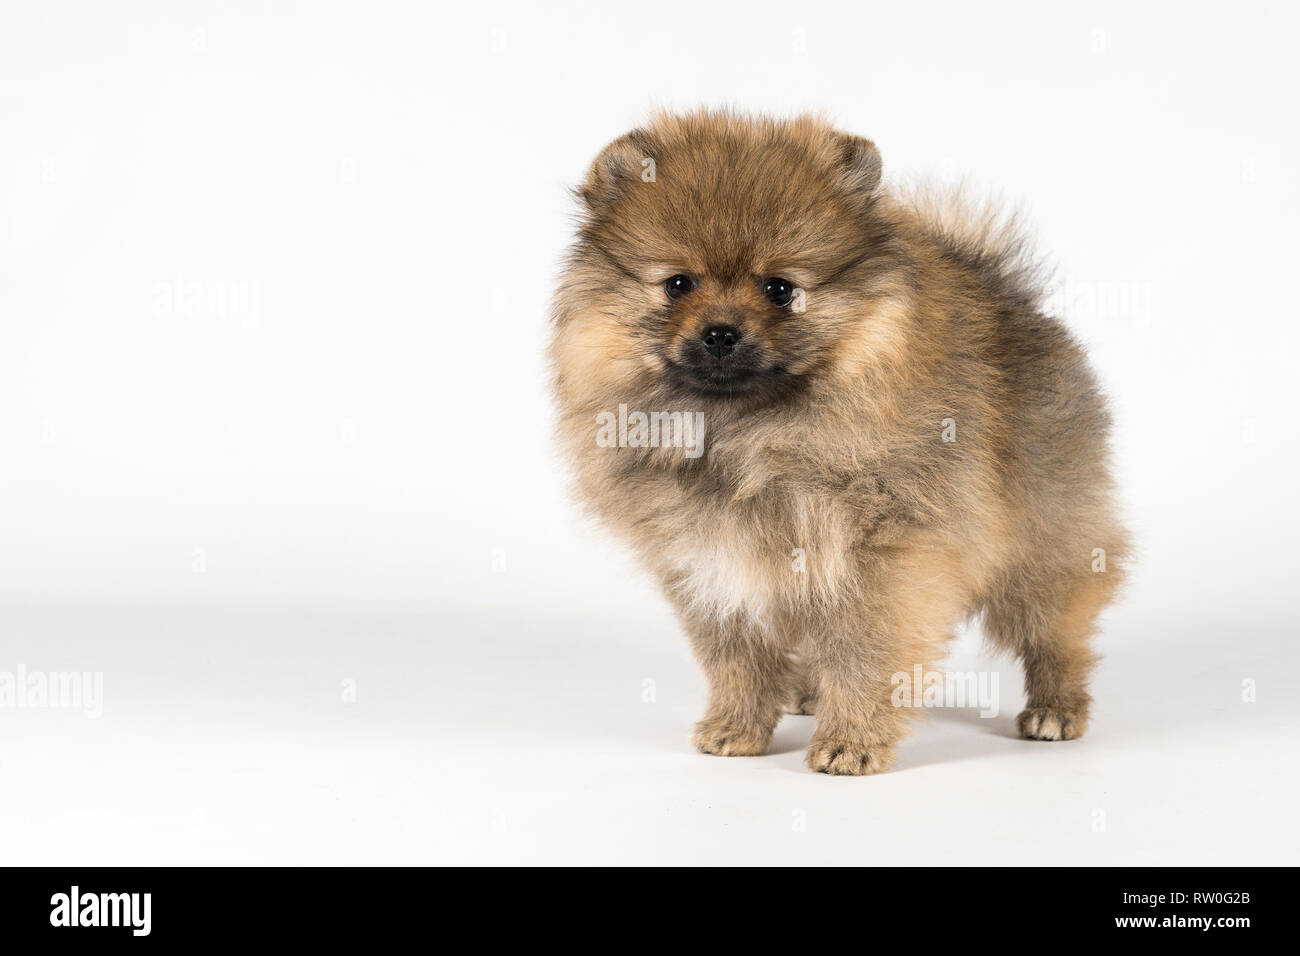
<point x="764" y="556"/>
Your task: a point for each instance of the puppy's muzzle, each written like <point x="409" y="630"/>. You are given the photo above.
<point x="720" y="340"/>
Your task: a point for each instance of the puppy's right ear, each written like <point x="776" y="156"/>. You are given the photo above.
<point x="859" y="159"/>
<point x="619" y="165"/>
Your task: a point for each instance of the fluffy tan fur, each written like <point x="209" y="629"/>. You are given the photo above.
<point x="832" y="535"/>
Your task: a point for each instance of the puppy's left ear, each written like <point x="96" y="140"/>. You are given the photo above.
<point x="860" y="161"/>
<point x="619" y="165"/>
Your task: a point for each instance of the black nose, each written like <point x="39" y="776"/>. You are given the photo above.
<point x="720" y="340"/>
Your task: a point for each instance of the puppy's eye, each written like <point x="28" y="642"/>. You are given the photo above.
<point x="678" y="286"/>
<point x="779" y="291"/>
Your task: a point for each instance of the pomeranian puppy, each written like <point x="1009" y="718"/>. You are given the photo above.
<point x="833" y="422"/>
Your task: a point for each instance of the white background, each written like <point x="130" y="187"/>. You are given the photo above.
<point x="274" y="286"/>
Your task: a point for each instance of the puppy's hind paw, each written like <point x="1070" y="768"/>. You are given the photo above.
<point x="841" y="758"/>
<point x="721" y="740"/>
<point x="1051" y="723"/>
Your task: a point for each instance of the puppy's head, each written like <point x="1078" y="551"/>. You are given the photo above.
<point x="724" y="256"/>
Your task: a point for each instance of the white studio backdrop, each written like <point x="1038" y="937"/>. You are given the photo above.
<point x="276" y="280"/>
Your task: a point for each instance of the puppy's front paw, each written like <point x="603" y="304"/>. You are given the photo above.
<point x="721" y="740"/>
<point x="846" y="759"/>
<point x="1051" y="723"/>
